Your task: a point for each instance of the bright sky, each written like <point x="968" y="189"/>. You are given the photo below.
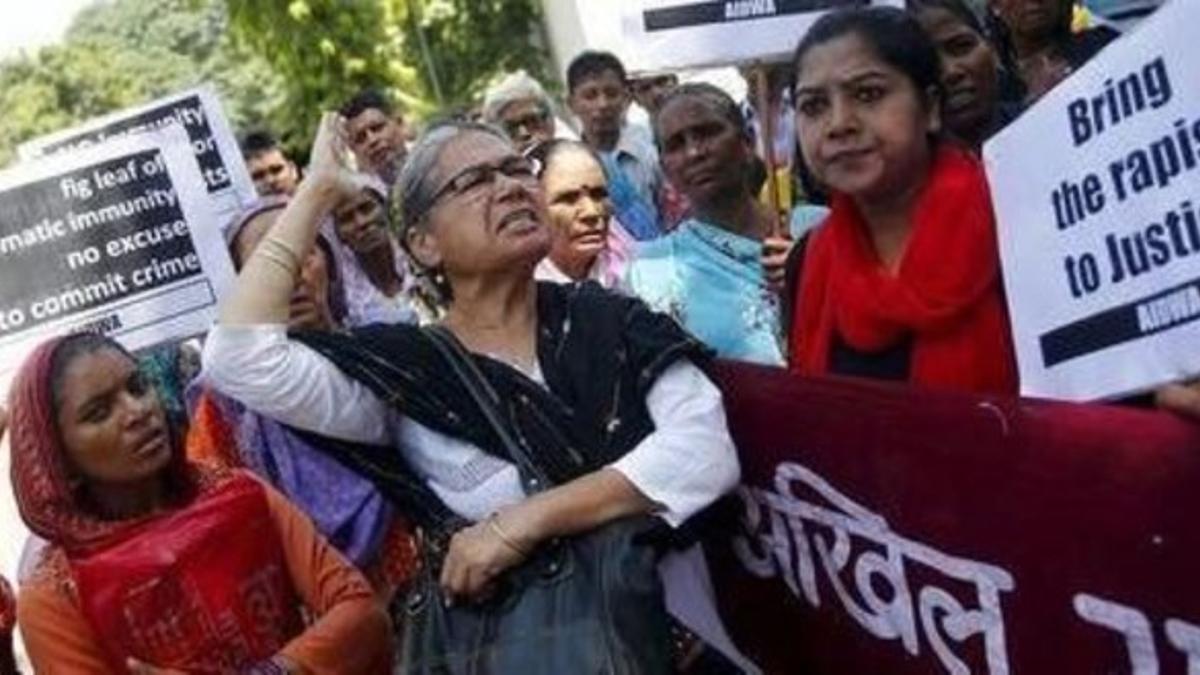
<point x="36" y="24"/>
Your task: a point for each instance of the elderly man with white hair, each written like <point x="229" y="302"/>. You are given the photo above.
<point x="519" y="105"/>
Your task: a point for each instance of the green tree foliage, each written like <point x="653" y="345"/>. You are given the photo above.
<point x="276" y="63"/>
<point x="431" y="55"/>
<point x="126" y="52"/>
<point x="460" y="45"/>
<point x="324" y="50"/>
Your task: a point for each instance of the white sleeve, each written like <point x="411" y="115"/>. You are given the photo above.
<point x="288" y="382"/>
<point x="689" y="460"/>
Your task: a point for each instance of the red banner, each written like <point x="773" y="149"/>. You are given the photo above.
<point x="890" y="530"/>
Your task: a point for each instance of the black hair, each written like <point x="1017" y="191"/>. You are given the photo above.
<point x="72" y="347"/>
<point x="366" y="100"/>
<point x="544" y="153"/>
<point x="1011" y="89"/>
<point x="813" y="191"/>
<point x="590" y="64"/>
<point x="756" y="175"/>
<point x="257" y="142"/>
<point x="718" y="99"/>
<point x="895" y="35"/>
<point x="1001" y="36"/>
<point x="75" y="345"/>
<point x="958" y="8"/>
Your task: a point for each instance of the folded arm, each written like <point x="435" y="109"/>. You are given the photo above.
<point x="684" y="465"/>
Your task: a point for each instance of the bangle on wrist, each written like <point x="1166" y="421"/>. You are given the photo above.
<point x="493" y="522"/>
<point x="281" y="254"/>
<point x="282" y="247"/>
<point x="278" y="261"/>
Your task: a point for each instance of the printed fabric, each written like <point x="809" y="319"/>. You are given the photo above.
<point x="138" y="580"/>
<point x="712" y="282"/>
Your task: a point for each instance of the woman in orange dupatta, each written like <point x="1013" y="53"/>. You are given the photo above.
<point x="156" y="565"/>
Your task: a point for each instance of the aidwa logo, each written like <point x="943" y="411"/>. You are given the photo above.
<point x="749" y="9"/>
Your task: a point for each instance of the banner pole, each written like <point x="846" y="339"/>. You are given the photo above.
<point x="768" y="139"/>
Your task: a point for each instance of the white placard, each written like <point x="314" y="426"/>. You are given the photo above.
<point x="1096" y="192"/>
<point x="199" y="112"/>
<point x="659" y="35"/>
<point x="120" y="237"/>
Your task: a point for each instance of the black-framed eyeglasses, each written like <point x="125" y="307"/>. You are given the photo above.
<point x="530" y="122"/>
<point x="523" y="169"/>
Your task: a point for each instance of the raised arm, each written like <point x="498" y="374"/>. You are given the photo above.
<point x="264" y="287"/>
<point x="248" y="355"/>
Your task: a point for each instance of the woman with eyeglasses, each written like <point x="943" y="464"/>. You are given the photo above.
<point x="534" y="421"/>
<point x="521" y="107"/>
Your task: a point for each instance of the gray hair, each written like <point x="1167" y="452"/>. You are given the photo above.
<point x="514" y="87"/>
<point x="717" y="100"/>
<point x="546" y="153"/>
<point x="413" y="192"/>
<point x="412" y="198"/>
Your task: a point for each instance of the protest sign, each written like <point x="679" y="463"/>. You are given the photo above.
<point x="199" y="112"/>
<point x="657" y="35"/>
<point x="883" y="529"/>
<point x="119" y="238"/>
<point x="1095" y="191"/>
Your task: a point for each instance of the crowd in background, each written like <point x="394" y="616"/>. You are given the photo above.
<point x="590" y="266"/>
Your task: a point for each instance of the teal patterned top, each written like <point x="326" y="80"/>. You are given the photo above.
<point x="712" y="282"/>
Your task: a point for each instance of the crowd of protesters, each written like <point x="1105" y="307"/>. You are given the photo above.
<point x="397" y="291"/>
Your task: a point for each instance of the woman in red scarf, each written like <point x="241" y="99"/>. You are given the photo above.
<point x="902" y="282"/>
<point x="154" y="564"/>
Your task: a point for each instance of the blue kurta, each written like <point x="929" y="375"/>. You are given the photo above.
<point x="712" y="282"/>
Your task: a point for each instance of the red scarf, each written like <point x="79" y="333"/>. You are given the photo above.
<point x="203" y="589"/>
<point x="946" y="294"/>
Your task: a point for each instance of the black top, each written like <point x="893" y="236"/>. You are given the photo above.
<point x="1007" y="112"/>
<point x="1084" y="45"/>
<point x="893" y="363"/>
